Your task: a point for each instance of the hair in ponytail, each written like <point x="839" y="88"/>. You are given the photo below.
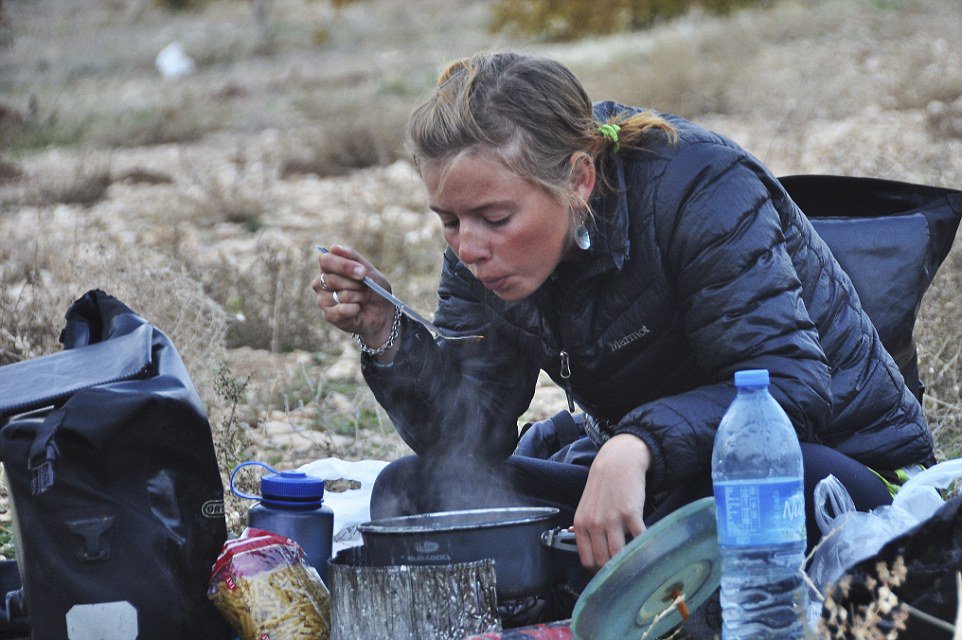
<point x="532" y="113"/>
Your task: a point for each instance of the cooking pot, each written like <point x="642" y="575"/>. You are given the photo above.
<point x="530" y="552"/>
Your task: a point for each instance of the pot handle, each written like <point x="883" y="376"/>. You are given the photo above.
<point x="560" y="539"/>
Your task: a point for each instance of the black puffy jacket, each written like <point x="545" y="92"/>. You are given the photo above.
<point x="700" y="265"/>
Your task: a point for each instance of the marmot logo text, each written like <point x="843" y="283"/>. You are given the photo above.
<point x="621" y="343"/>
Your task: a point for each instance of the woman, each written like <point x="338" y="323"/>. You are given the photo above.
<point x="640" y="261"/>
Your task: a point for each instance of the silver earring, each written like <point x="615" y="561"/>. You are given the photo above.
<point x="582" y="238"/>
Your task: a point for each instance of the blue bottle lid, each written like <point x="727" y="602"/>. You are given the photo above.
<point x="292" y="485"/>
<point x="751" y="378"/>
<point x="284" y="488"/>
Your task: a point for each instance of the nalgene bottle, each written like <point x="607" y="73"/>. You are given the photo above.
<point x="760" y="507"/>
<point x="292" y="504"/>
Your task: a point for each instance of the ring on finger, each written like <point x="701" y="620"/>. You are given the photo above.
<point x="337" y="300"/>
<point x="324" y="284"/>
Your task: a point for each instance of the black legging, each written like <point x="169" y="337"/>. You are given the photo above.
<point x="414" y="485"/>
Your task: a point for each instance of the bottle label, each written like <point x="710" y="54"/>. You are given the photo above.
<point x="760" y="512"/>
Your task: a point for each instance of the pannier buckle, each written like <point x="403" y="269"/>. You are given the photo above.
<point x="42" y="474"/>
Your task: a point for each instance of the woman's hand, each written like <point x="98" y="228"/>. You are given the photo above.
<point x="348" y="303"/>
<point x="613" y="501"/>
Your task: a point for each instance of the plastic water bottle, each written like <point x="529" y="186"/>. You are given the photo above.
<point x="760" y="505"/>
<point x="292" y="504"/>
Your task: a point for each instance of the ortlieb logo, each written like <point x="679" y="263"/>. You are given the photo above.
<point x="213" y="509"/>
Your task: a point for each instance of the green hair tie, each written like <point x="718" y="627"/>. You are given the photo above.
<point x="610" y="131"/>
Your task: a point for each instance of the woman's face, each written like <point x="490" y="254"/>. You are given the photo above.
<point x="509" y="232"/>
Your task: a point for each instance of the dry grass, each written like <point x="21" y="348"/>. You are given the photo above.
<point x="882" y="619"/>
<point x="939" y="335"/>
<point x="85" y="185"/>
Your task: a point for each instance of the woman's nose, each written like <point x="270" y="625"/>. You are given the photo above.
<point x="472" y="244"/>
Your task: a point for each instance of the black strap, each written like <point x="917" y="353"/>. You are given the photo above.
<point x="44" y="452"/>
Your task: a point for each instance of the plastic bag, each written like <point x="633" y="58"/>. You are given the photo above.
<point x="849" y="536"/>
<point x="920" y="569"/>
<point x="264" y="587"/>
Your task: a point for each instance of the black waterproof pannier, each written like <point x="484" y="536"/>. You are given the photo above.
<point x="890" y="238"/>
<point x="110" y="465"/>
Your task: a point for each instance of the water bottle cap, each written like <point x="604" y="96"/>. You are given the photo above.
<point x="284" y="488"/>
<point x="292" y="485"/>
<point x="751" y="378"/>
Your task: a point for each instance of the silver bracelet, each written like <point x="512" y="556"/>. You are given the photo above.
<point x="395" y="330"/>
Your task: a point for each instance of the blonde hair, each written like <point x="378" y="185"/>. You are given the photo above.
<point x="531" y="113"/>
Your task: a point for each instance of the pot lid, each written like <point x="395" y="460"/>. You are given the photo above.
<point x="466" y="520"/>
<point x="629" y="597"/>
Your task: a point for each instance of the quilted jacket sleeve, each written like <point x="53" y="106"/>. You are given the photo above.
<point x="458" y="397"/>
<point x="724" y="248"/>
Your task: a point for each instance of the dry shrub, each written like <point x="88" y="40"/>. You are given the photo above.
<point x="181" y="5"/>
<point x="269" y="298"/>
<point x="40" y="279"/>
<point x="27" y="321"/>
<point x="11" y="119"/>
<point x="9" y="171"/>
<point x="882" y="619"/>
<point x="36" y="126"/>
<point x="140" y="175"/>
<point x="925" y="67"/>
<point x="237" y="192"/>
<point x="231" y="441"/>
<point x="179" y="119"/>
<point x="86" y="184"/>
<point x="369" y="137"/>
<point x="945" y="120"/>
<point x="183" y="121"/>
<point x="569" y="19"/>
<point x="882" y="144"/>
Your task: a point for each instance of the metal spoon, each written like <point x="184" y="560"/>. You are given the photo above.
<point x="407" y="310"/>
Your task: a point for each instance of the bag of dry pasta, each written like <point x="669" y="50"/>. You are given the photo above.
<point x="264" y="587"/>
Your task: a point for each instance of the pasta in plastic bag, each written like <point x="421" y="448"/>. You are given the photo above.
<point x="264" y="587"/>
<point x="849" y="536"/>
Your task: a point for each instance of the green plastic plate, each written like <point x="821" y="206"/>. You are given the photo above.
<point x="679" y="553"/>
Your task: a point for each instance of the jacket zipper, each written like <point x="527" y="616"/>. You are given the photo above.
<point x="555" y="326"/>
<point x="566" y="377"/>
